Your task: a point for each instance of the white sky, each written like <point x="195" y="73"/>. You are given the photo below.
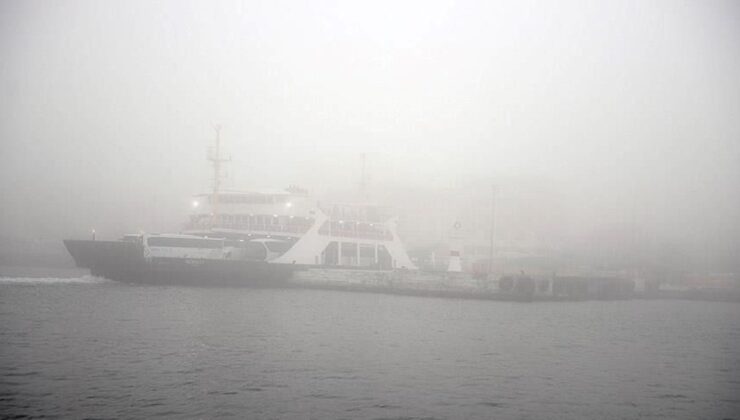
<point x="106" y="106"/>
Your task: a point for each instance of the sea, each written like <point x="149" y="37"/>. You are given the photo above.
<point x="84" y="347"/>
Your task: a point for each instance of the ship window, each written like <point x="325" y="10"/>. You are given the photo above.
<point x="330" y="255"/>
<point x="132" y="238"/>
<point x="367" y="251"/>
<point x="278" y="246"/>
<point x="384" y="258"/>
<point x="349" y="249"/>
<point x="255" y="250"/>
<point x="185" y="242"/>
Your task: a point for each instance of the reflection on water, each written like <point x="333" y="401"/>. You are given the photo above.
<point x="85" y="347"/>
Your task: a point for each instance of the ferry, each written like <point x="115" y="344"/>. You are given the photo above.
<point x="250" y="238"/>
<point x="257" y="238"/>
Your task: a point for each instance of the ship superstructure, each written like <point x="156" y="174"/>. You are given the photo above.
<point x="278" y="214"/>
<point x="342" y="234"/>
<point x="296" y="228"/>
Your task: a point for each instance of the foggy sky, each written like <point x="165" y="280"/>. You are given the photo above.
<point x="627" y="109"/>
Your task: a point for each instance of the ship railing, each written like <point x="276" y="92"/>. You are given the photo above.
<point x="346" y="233"/>
<point x="298" y="229"/>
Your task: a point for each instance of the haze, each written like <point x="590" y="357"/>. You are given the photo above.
<point x="605" y="113"/>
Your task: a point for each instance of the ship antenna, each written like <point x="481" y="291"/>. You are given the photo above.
<point x="216" y="159"/>
<point x="363" y="179"/>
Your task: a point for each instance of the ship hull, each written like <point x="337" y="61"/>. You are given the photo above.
<point x="125" y="262"/>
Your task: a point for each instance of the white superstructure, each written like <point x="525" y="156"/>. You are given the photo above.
<point x="289" y="227"/>
<point x="307" y="233"/>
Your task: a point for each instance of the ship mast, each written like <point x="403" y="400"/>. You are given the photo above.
<point x="216" y="160"/>
<point x="493" y="220"/>
<point x="363" y="179"/>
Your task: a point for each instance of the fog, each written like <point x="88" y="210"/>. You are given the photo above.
<point x="604" y="114"/>
<point x="431" y="209"/>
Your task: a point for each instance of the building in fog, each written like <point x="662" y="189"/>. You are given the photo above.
<point x="524" y="236"/>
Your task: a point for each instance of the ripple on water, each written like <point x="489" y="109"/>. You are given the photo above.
<point x="53" y="280"/>
<point x="136" y="352"/>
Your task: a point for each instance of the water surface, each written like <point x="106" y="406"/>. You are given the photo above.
<point x="85" y="347"/>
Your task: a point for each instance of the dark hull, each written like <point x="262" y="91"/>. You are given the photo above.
<point x="124" y="261"/>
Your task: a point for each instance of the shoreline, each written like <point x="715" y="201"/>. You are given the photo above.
<point x="709" y="295"/>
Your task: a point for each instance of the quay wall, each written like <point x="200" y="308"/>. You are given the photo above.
<point x="463" y="285"/>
